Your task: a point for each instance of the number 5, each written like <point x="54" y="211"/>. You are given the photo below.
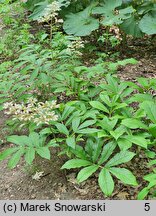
<point x="147" y="207"/>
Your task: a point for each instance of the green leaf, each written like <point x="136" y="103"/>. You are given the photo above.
<point x="15" y="158"/>
<point x="45" y="131"/>
<point x="143" y="193"/>
<point x="80" y="24"/>
<point x="7" y="152"/>
<point x="62" y="129"/>
<point x="71" y="142"/>
<point x="75" y="163"/>
<point x="38" y="8"/>
<point x="152" y="184"/>
<point x="117" y="133"/>
<point x="75" y="123"/>
<point x="120" y="106"/>
<point x="150" y="110"/>
<point x="106" y="99"/>
<point x="98" y="105"/>
<point x="67" y="111"/>
<point x="152" y="162"/>
<point x="19" y="140"/>
<point x="30" y="155"/>
<point x="123" y="14"/>
<point x="107" y="9"/>
<point x="124" y="144"/>
<point x="86" y="124"/>
<point x="124" y="175"/>
<point x="107" y="124"/>
<point x="108" y="149"/>
<point x="133" y="123"/>
<point x="85" y="173"/>
<point x="150" y="177"/>
<point x="152" y="129"/>
<point x="34" y="138"/>
<point x="138" y="140"/>
<point x="150" y="154"/>
<point x="102" y="134"/>
<point x="148" y="24"/>
<point x="119" y="158"/>
<point x="43" y="152"/>
<point x="141" y="98"/>
<point x="130" y="26"/>
<point x="106" y="182"/>
<point x="88" y="131"/>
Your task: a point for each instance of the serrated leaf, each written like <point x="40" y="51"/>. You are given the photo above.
<point x="88" y="131"/>
<point x="106" y="182"/>
<point x="43" y="152"/>
<point x="67" y="111"/>
<point x="15" y="158"/>
<point x="124" y="175"/>
<point x="119" y="158"/>
<point x="117" y="133"/>
<point x="107" y="124"/>
<point x="106" y="152"/>
<point x="30" y="155"/>
<point x="62" y="129"/>
<point x="150" y="110"/>
<point x="19" y="140"/>
<point x="86" y="124"/>
<point x="75" y="163"/>
<point x="133" y="123"/>
<point x="71" y="142"/>
<point x="98" y="105"/>
<point x="34" y="139"/>
<point x="106" y="99"/>
<point x="81" y="23"/>
<point x="75" y="123"/>
<point x="138" y="140"/>
<point x="124" y="144"/>
<point x="85" y="173"/>
<point x="7" y="152"/>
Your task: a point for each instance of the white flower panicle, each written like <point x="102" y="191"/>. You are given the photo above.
<point x="75" y="46"/>
<point x="38" y="112"/>
<point x="50" y="12"/>
<point x="24" y="1"/>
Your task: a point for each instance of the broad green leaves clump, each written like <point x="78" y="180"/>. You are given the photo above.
<point x="82" y="18"/>
<point x="81" y="24"/>
<point x="27" y="146"/>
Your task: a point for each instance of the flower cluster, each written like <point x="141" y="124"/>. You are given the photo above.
<point x="75" y="45"/>
<point x="51" y="12"/>
<point x="116" y="31"/>
<point x="24" y="1"/>
<point x="37" y="112"/>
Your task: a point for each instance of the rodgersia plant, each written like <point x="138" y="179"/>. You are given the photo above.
<point x="50" y="15"/>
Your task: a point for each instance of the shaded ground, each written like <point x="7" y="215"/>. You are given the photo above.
<point x="145" y="53"/>
<point x="56" y="184"/>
